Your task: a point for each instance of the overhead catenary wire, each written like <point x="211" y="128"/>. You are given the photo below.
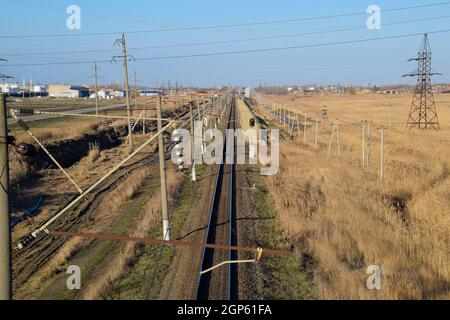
<point x="223" y="26"/>
<point x="205" y="43"/>
<point x="221" y="53"/>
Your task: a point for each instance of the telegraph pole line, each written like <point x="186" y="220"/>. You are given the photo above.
<point x="124" y="56"/>
<point x="162" y="173"/>
<point x="5" y="234"/>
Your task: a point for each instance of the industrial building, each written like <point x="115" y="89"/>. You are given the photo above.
<point x="9" y="88"/>
<point x="67" y="91"/>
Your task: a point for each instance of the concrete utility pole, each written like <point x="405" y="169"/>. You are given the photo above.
<point x="5" y="235"/>
<point x="191" y="114"/>
<point x="162" y="173"/>
<point x="127" y="88"/>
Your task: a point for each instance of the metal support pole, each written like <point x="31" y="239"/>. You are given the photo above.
<point x="5" y="235"/>
<point x="162" y="173"/>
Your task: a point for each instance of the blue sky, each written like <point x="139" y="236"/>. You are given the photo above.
<point x="378" y="62"/>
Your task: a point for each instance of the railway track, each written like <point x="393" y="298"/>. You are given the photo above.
<point x="221" y="283"/>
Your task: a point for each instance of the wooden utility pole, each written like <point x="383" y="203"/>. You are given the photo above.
<point x="369" y="145"/>
<point x="124" y="56"/>
<point x="390" y="115"/>
<point x="304" y="131"/>
<point x="96" y="88"/>
<point x="363" y="152"/>
<point x="162" y="173"/>
<point x="135" y="89"/>
<point x="335" y="130"/>
<point x="5" y="234"/>
<point x="382" y="154"/>
<point x="315" y="133"/>
<point x="31" y="88"/>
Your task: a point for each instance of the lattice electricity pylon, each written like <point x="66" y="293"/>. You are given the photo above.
<point x="423" y="114"/>
<point x="3" y="77"/>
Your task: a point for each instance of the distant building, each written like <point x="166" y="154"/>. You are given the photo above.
<point x="9" y="88"/>
<point x="67" y="91"/>
<point x="117" y="94"/>
<point x="39" y="89"/>
<point x="388" y="92"/>
<point x="149" y="92"/>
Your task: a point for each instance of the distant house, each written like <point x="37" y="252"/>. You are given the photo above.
<point x="67" y="91"/>
<point x="388" y="92"/>
<point x="117" y="94"/>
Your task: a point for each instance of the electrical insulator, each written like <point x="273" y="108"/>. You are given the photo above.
<point x="25" y="149"/>
<point x="178" y="150"/>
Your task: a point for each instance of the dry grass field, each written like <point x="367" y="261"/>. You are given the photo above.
<point x="343" y="219"/>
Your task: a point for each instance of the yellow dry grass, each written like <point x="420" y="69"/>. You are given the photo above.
<point x="107" y="210"/>
<point x="147" y="221"/>
<point x="346" y="220"/>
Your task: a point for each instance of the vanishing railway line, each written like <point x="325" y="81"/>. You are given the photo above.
<point x="221" y="283"/>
